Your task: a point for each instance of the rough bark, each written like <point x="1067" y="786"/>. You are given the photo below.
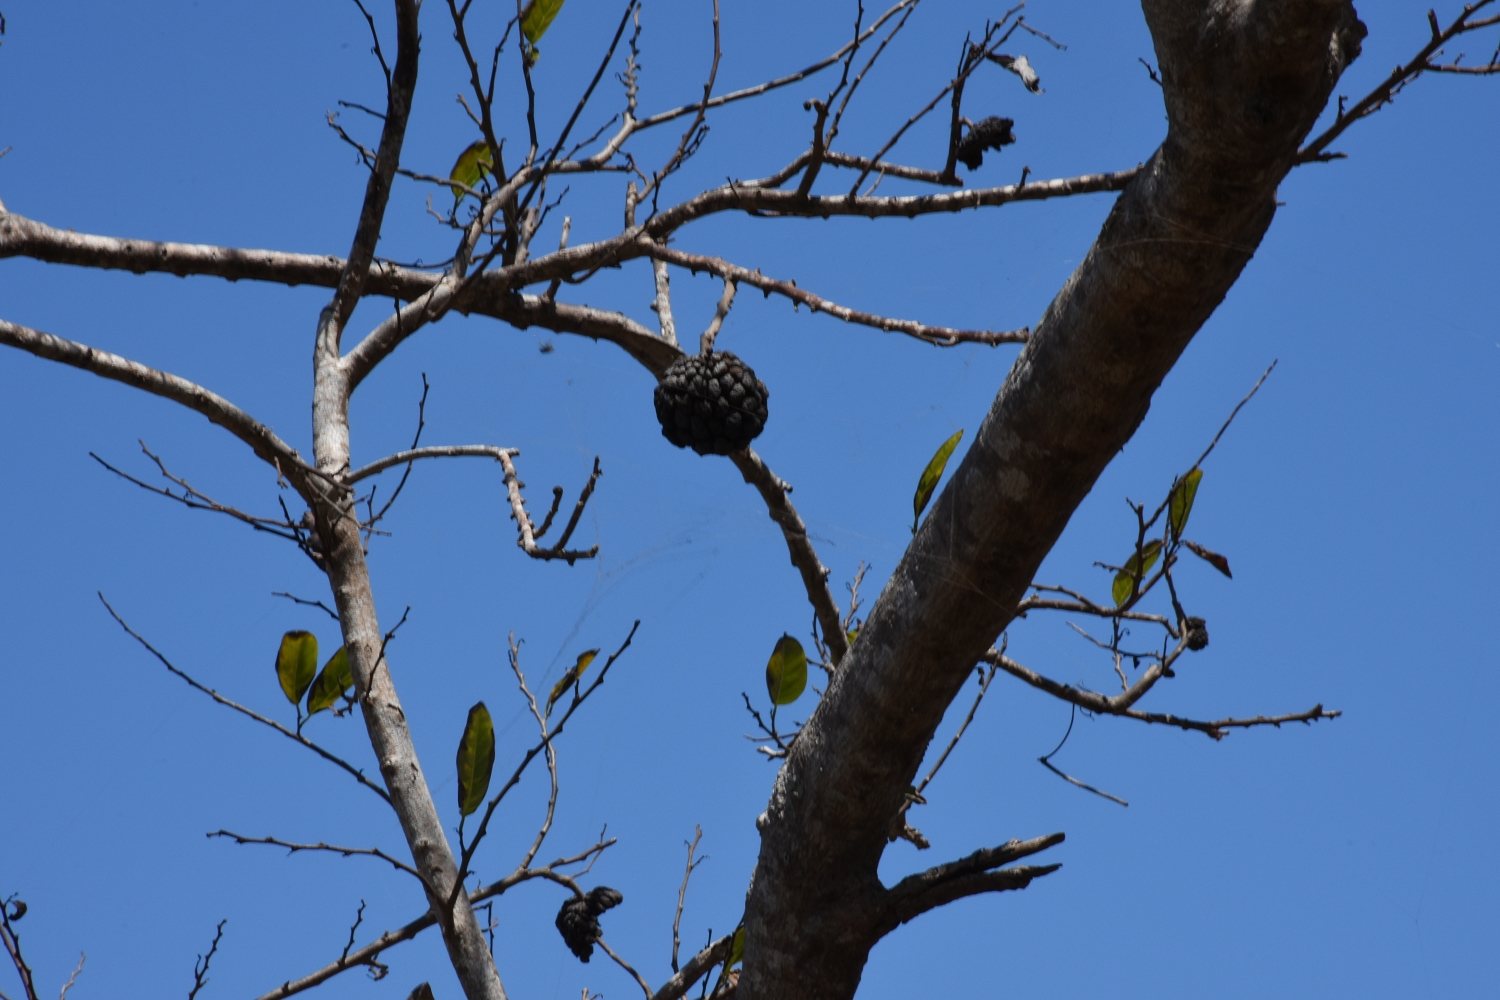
<point x="1244" y="81"/>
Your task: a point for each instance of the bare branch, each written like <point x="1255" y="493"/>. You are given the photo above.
<point x="1385" y="92"/>
<point x="942" y="884"/>
<point x="721" y="313"/>
<point x="432" y="451"/>
<point x="12" y="909"/>
<point x="696" y="968"/>
<point x="662" y="305"/>
<point x="63" y="995"/>
<point x="687" y="874"/>
<point x="1119" y="705"/>
<point x="293" y="848"/>
<point x="740" y="197"/>
<point x="641" y="980"/>
<point x="941" y="336"/>
<point x="900" y="827"/>
<point x="774" y="492"/>
<point x="196" y="500"/>
<point x="528" y="533"/>
<point x="261" y="439"/>
<point x="399" y="89"/>
<point x="541" y="721"/>
<point x="200" y="967"/>
<point x="297" y="737"/>
<point x="756" y="91"/>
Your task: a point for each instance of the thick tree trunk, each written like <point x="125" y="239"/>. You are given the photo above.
<point x="1243" y="81"/>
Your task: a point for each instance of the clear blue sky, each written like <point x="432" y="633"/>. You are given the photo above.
<point x="1355" y="499"/>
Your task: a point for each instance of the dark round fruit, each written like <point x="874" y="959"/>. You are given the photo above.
<point x="711" y="403"/>
<point x="1197" y="633"/>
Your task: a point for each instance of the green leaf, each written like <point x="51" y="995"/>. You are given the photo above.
<point x="476" y="758"/>
<point x="296" y="664"/>
<point x="332" y="684"/>
<point x="1209" y="556"/>
<point x="473" y="163"/>
<point x="1181" y="505"/>
<point x="930" y="477"/>
<point x="537" y="17"/>
<point x="1125" y="580"/>
<point x="736" y="949"/>
<point x="571" y="677"/>
<point x="786" y="671"/>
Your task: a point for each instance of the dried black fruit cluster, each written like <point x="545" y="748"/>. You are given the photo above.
<point x="712" y="403"/>
<point x="1197" y="633"/>
<point x="578" y="920"/>
<point x="990" y="133"/>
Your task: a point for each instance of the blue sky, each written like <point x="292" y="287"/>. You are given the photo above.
<point x="1355" y="499"/>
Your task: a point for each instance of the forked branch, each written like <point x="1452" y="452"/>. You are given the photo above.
<point x="1121" y="704"/>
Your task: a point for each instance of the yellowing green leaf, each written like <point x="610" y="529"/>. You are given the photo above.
<point x="1181" y="505"/>
<point x="1125" y="580"/>
<point x="332" y="684"/>
<point x="476" y="759"/>
<point x="473" y="163"/>
<point x="296" y="664"/>
<point x="537" y="17"/>
<point x="736" y="949"/>
<point x="786" y="671"/>
<point x="571" y="677"/>
<point x="930" y="477"/>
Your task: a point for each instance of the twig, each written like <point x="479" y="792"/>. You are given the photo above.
<point x="12" y="909"/>
<point x="687" y="874"/>
<point x="293" y="848"/>
<point x="300" y="600"/>
<point x="200" y="966"/>
<point x="367" y="955"/>
<point x="82" y="957"/>
<point x="551" y="751"/>
<point x="527" y="531"/>
<point x="579" y="697"/>
<point x="662" y="305"/>
<point x="900" y="828"/>
<point x="1094" y="702"/>
<point x="197" y="500"/>
<point x="355" y="772"/>
<point x="1385" y="92"/>
<point x="721" y="312"/>
<point x="626" y="966"/>
<point x="416" y="440"/>
<point x="773" y="491"/>
<point x="941" y="336"/>
<point x="432" y="451"/>
<point x="1046" y="761"/>
<point x="261" y="439"/>
<point x="1234" y="413"/>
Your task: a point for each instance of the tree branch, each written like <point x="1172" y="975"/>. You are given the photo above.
<point x="293" y="848"/>
<point x="400" y="87"/>
<point x="433" y="451"/>
<point x="941" y="336"/>
<point x="774" y="492"/>
<point x="355" y="772"/>
<point x="1385" y="92"/>
<point x="261" y="439"/>
<point x="1121" y="704"/>
<point x="1243" y="84"/>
